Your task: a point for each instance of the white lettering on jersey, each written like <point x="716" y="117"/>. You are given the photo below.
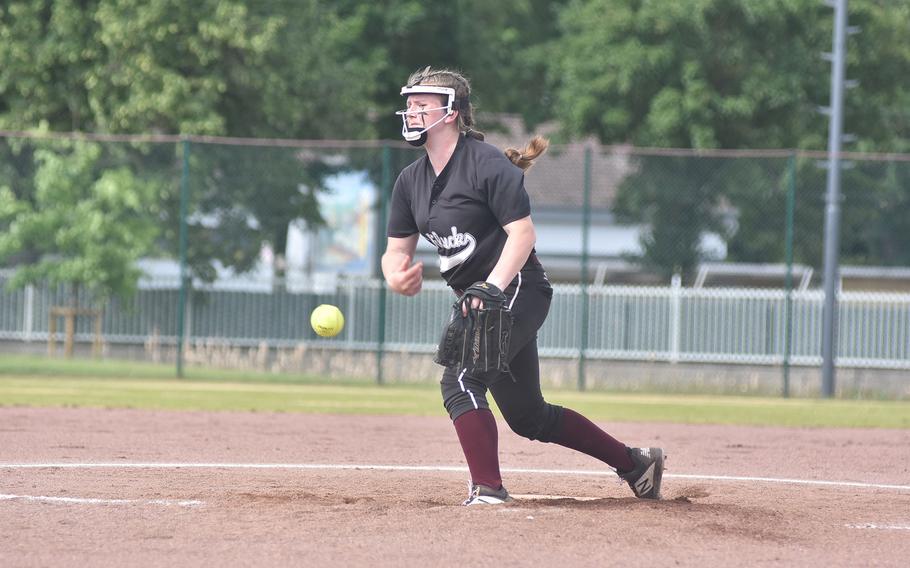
<point x="454" y="241"/>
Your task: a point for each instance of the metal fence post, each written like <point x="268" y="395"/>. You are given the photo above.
<point x="385" y="190"/>
<point x="585" y="254"/>
<point x="788" y="283"/>
<point x="832" y="199"/>
<point x="29" y="312"/>
<point x="675" y="316"/>
<point x="181" y="298"/>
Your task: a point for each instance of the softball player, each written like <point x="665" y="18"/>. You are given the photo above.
<point x="468" y="199"/>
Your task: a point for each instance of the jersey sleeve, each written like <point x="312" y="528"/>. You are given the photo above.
<point x="401" y="218"/>
<point x="504" y="185"/>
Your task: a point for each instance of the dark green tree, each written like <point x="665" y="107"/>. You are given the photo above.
<point x="288" y="69"/>
<point x="502" y="48"/>
<point x="87" y="222"/>
<point x="725" y="74"/>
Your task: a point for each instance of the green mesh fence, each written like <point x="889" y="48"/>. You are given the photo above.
<point x="274" y="228"/>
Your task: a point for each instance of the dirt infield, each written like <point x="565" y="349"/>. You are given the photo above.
<point x="314" y="515"/>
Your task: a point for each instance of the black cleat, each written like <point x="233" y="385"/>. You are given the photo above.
<point x="649" y="469"/>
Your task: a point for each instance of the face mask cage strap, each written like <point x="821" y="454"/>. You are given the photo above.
<point x="448" y="110"/>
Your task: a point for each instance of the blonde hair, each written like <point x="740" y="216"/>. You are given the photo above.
<point x="523" y="158"/>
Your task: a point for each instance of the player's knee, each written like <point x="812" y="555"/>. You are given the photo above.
<point x="459" y="395"/>
<point x="526" y="427"/>
<point x="461" y="402"/>
<point x="537" y="424"/>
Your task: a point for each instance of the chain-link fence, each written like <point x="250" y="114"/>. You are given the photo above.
<point x="669" y="255"/>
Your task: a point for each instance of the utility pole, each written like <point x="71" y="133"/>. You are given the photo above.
<point x="832" y="199"/>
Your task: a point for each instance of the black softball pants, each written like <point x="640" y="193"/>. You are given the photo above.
<point x="517" y="393"/>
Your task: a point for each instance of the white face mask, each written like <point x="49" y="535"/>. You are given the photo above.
<point x="416" y="135"/>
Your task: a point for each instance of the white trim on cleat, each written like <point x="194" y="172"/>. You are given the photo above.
<point x="483" y="501"/>
<point x="483" y="495"/>
<point x="645" y="483"/>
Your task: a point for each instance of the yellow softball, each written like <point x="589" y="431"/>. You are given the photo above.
<point x="327" y="320"/>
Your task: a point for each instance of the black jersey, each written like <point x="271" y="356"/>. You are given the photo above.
<point x="462" y="211"/>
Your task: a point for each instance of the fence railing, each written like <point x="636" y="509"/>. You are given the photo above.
<point x="671" y="324"/>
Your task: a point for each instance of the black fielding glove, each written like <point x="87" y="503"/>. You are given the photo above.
<point x="478" y="343"/>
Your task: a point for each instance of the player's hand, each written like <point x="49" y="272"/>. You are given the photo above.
<point x="407" y="280"/>
<point x="476" y="303"/>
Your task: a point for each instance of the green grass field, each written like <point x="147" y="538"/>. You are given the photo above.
<point x="39" y="382"/>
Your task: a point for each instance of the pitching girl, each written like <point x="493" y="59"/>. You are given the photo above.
<point x="468" y="199"/>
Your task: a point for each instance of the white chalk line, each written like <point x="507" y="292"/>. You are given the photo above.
<point x="879" y="527"/>
<point x="553" y="497"/>
<point x="95" y="501"/>
<point x="817" y="482"/>
<point x="442" y="468"/>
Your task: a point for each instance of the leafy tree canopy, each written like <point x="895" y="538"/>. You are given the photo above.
<point x="168" y="66"/>
<point x="728" y="73"/>
<point x="86" y="224"/>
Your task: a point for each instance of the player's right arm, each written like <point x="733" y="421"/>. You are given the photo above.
<point x="402" y="276"/>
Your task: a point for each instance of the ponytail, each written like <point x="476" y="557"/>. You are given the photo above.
<point x="524" y="158"/>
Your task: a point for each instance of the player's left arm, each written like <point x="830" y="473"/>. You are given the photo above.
<point x="518" y="247"/>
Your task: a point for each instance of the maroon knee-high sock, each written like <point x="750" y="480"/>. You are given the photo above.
<point x="580" y="434"/>
<point x="480" y="442"/>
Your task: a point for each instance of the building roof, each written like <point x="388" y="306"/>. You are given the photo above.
<point x="557" y="178"/>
